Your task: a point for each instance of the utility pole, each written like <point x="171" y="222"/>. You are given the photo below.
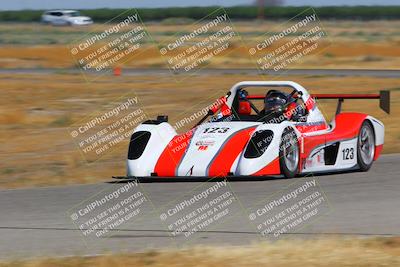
<point x="261" y="5"/>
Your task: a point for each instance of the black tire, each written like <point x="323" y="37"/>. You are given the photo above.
<point x="289" y="156"/>
<point x="365" y="146"/>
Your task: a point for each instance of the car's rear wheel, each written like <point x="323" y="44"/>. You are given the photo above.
<point x="289" y="153"/>
<point x="365" y="146"/>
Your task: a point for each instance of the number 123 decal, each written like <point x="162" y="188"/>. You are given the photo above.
<point x="348" y="153"/>
<point x="216" y="130"/>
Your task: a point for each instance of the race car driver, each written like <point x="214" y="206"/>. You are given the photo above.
<point x="277" y="103"/>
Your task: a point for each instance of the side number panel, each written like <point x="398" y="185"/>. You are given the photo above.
<point x="347" y="155"/>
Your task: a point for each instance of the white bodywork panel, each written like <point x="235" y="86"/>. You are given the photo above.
<point x="346" y="157"/>
<point x="248" y="166"/>
<point x="198" y="161"/>
<point x="161" y="135"/>
<point x="347" y="152"/>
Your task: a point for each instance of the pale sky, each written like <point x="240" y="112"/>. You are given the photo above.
<point x="89" y="4"/>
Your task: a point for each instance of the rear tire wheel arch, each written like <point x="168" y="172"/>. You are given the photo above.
<point x="366" y="142"/>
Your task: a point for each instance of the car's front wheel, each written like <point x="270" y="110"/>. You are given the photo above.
<point x="365" y="146"/>
<point x="289" y="153"/>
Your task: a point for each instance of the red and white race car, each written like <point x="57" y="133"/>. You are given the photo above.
<point x="287" y="136"/>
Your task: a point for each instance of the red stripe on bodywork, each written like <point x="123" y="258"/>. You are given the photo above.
<point x="378" y="150"/>
<point x="310" y="103"/>
<point x="311" y="128"/>
<point x="273" y="168"/>
<point x="172" y="154"/>
<point x="222" y="163"/>
<point x="347" y="126"/>
<point x="221" y="104"/>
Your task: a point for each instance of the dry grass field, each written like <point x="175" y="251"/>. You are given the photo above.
<point x="285" y="253"/>
<point x="349" y="44"/>
<point x="37" y="110"/>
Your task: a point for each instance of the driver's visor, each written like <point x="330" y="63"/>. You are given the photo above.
<point x="274" y="103"/>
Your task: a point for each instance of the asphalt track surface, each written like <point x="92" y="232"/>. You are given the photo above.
<point x="389" y="73"/>
<point x="34" y="222"/>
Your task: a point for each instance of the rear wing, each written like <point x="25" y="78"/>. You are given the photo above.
<point x="383" y="96"/>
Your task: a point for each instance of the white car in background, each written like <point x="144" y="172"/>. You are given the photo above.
<point x="65" y="17"/>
